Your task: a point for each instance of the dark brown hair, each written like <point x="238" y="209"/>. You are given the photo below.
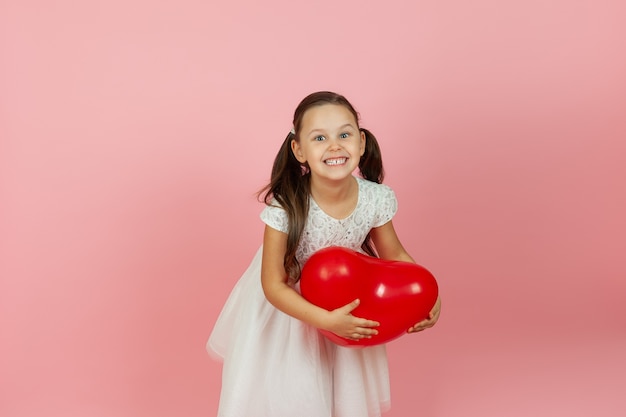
<point x="290" y="183"/>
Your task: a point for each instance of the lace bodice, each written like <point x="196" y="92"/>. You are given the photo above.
<point x="376" y="205"/>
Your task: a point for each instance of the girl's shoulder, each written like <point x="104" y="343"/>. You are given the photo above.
<point x="275" y="216"/>
<point x="374" y="190"/>
<point x="376" y="201"/>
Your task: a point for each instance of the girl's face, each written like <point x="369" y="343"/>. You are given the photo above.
<point x="330" y="142"/>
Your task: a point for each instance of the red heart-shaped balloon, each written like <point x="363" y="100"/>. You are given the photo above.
<point x="396" y="294"/>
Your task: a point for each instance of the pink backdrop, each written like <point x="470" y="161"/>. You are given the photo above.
<point x="133" y="135"/>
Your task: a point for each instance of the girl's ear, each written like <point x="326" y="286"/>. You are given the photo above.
<point x="363" y="142"/>
<point x="297" y="151"/>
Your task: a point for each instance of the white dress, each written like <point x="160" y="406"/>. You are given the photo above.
<point x="278" y="366"/>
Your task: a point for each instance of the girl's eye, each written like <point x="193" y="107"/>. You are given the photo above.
<point x="344" y="136"/>
<point x="319" y="138"/>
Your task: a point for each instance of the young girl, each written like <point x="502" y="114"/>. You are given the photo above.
<point x="276" y="363"/>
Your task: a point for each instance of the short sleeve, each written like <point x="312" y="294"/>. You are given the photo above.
<point x="386" y="205"/>
<point x="275" y="217"/>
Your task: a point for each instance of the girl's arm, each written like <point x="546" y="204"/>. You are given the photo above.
<point x="388" y="246"/>
<point x="289" y="301"/>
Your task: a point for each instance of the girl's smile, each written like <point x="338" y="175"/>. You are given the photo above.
<point x="336" y="161"/>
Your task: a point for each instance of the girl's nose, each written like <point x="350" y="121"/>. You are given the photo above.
<point x="334" y="143"/>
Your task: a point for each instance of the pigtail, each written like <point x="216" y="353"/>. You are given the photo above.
<point x="371" y="168"/>
<point x="371" y="163"/>
<point x="290" y="186"/>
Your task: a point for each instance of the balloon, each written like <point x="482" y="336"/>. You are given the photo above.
<point x="396" y="294"/>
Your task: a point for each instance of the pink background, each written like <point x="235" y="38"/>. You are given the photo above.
<point x="133" y="135"/>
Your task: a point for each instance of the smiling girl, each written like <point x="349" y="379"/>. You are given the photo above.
<point x="276" y="363"/>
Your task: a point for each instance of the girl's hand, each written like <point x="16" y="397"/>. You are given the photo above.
<point x="345" y="325"/>
<point x="433" y="316"/>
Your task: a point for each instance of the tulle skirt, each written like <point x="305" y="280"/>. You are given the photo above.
<point x="277" y="366"/>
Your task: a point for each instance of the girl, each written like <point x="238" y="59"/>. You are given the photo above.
<point x="276" y="363"/>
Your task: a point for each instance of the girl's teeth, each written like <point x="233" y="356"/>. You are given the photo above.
<point x="335" y="161"/>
